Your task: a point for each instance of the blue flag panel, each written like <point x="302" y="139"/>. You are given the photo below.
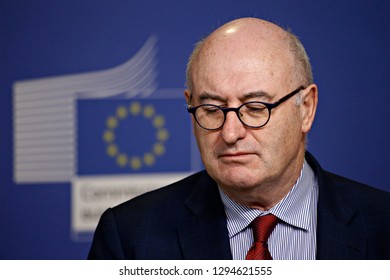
<point x="133" y="136"/>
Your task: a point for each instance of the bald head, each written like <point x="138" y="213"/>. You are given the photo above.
<point x="245" y="40"/>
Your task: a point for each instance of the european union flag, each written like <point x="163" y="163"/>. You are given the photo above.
<point x="121" y="136"/>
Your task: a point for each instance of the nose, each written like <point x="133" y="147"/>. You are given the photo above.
<point x="233" y="129"/>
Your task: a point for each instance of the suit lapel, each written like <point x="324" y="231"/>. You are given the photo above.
<point x="336" y="241"/>
<point x="339" y="227"/>
<point x="203" y="233"/>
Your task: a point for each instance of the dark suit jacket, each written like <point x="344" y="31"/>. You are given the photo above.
<point x="186" y="220"/>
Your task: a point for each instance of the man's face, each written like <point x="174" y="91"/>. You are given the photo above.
<point x="238" y="157"/>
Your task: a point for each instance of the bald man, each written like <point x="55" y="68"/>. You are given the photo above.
<point x="252" y="101"/>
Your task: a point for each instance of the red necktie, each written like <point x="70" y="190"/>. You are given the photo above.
<point x="262" y="228"/>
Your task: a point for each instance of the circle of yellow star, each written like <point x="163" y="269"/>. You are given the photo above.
<point x="147" y="158"/>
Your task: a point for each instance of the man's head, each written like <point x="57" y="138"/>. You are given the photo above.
<point x="243" y="61"/>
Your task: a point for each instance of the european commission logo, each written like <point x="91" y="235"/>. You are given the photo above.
<point x="112" y="134"/>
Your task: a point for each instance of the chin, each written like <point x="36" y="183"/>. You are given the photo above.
<point x="237" y="179"/>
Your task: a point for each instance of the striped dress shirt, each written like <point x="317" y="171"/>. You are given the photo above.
<point x="294" y="238"/>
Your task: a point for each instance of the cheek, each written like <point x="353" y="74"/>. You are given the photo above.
<point x="291" y="135"/>
<point x="280" y="135"/>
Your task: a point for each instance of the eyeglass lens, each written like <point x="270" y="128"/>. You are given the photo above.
<point x="252" y="114"/>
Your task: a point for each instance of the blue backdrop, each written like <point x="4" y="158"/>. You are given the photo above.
<point x="347" y="41"/>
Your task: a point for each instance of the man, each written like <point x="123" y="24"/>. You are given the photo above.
<point x="253" y="101"/>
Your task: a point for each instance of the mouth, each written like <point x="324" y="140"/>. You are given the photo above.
<point x="239" y="156"/>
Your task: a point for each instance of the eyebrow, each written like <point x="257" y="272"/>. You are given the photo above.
<point x="256" y="94"/>
<point x="210" y="96"/>
<point x="204" y="96"/>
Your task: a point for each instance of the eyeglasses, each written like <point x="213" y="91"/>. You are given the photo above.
<point x="252" y="114"/>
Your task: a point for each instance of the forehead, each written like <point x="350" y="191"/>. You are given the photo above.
<point x="243" y="64"/>
<point x="237" y="75"/>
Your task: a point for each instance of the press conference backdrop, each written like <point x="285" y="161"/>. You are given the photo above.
<point x="93" y="113"/>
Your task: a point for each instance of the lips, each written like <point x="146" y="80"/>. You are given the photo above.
<point x="235" y="156"/>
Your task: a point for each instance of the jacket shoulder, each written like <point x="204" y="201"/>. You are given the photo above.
<point x="359" y="191"/>
<point x="147" y="221"/>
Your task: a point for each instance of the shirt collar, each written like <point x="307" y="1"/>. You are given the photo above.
<point x="293" y="209"/>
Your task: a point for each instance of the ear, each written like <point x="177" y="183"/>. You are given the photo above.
<point x="309" y="102"/>
<point x="187" y="95"/>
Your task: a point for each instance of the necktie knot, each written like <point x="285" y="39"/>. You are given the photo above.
<point x="262" y="228"/>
